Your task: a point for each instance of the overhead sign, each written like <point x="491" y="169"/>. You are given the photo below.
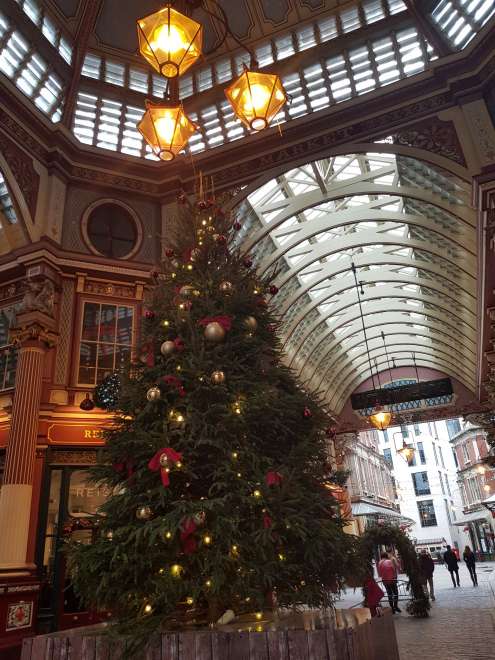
<point x="430" y="389"/>
<point x="67" y="433"/>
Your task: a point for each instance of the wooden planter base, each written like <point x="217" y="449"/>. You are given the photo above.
<point x="374" y="640"/>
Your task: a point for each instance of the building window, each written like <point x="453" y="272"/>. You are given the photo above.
<point x="455" y="458"/>
<point x="435" y="453"/>
<point x="111" y="230"/>
<point x="404" y="430"/>
<point x="420" y="482"/>
<point x="8" y="353"/>
<point x="465" y="453"/>
<point x="453" y="427"/>
<point x="106" y="341"/>
<point x="441" y="456"/>
<point x="417" y="430"/>
<point x="427" y="515"/>
<point x="448" y="485"/>
<point x="447" y="511"/>
<point x="421" y="452"/>
<point x="385" y="435"/>
<point x="387" y="455"/>
<point x="441" y="482"/>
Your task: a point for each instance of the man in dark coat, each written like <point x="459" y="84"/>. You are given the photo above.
<point x="451" y="560"/>
<point x="427" y="566"/>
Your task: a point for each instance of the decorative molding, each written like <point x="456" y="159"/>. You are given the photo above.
<point x="114" y="290"/>
<point x="434" y="135"/>
<point x="65" y="332"/>
<point x="114" y="180"/>
<point x="11" y="290"/>
<point x="34" y="326"/>
<point x="77" y="457"/>
<point x="22" y="169"/>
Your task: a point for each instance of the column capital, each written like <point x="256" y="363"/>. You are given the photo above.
<point x="34" y="327"/>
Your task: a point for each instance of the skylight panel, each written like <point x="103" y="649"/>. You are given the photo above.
<point x="91" y="67"/>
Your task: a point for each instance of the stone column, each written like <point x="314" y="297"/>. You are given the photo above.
<point x="34" y="334"/>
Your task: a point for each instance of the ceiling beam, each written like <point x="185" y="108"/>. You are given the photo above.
<point x="88" y="15"/>
<point x="429" y="30"/>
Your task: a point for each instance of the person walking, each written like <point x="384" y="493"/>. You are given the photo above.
<point x="453" y="567"/>
<point x="470" y="559"/>
<point x="387" y="570"/>
<point x="427" y="567"/>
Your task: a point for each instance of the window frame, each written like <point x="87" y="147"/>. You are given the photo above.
<point x="422" y="521"/>
<point x="417" y="491"/>
<point x="135" y="218"/>
<point x="79" y="325"/>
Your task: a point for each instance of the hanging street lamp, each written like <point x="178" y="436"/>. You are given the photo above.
<point x="407" y="452"/>
<point x="166" y="128"/>
<point x="256" y="98"/>
<point x="380" y="418"/>
<point x="170" y="41"/>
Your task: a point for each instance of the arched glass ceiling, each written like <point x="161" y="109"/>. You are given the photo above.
<point x="410" y="231"/>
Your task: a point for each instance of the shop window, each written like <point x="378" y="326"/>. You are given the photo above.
<point x="106" y="341"/>
<point x="427" y="515"/>
<point x="85" y="498"/>
<point x="111" y="231"/>
<point x="421" y="484"/>
<point x="8" y="353"/>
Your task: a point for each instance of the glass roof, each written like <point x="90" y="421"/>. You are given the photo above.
<point x="408" y="228"/>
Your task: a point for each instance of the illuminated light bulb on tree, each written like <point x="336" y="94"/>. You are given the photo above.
<point x="169" y="41"/>
<point x="259" y="615"/>
<point x="148" y="609"/>
<point x="256" y="98"/>
<point x="257" y="494"/>
<point x="190" y="600"/>
<point x="176" y="570"/>
<point x="380" y="418"/>
<point x="208" y="583"/>
<point x="166" y="128"/>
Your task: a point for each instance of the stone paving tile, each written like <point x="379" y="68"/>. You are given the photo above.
<point x="461" y="621"/>
<point x="461" y="625"/>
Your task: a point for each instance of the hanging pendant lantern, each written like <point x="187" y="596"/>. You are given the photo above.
<point x="169" y="41"/>
<point x="407" y="452"/>
<point x="380" y="418"/>
<point x="256" y="98"/>
<point x="166" y="129"/>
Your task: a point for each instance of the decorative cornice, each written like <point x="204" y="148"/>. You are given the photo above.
<point x="35" y="327"/>
<point x="459" y="78"/>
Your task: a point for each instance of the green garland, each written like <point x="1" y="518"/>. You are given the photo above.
<point x="378" y="535"/>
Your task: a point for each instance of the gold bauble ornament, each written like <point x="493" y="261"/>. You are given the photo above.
<point x="164" y="461"/>
<point x="214" y="332"/>
<point x="143" y="513"/>
<point x="217" y="377"/>
<point x="186" y="291"/>
<point x="153" y="394"/>
<point x="226" y="288"/>
<point x="250" y="323"/>
<point x="167" y="348"/>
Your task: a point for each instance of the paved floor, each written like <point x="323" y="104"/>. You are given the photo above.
<point x="461" y="625"/>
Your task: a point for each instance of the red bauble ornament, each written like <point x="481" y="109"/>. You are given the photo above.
<point x="202" y="204"/>
<point x="210" y="201"/>
<point x="248" y="263"/>
<point x="169" y="253"/>
<point x="273" y="478"/>
<point x="149" y="314"/>
<point x="221" y="239"/>
<point x="273" y="289"/>
<point x="267" y="521"/>
<point x="237" y="226"/>
<point x="307" y="413"/>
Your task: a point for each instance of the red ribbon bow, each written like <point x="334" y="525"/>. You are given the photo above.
<point x="175" y="382"/>
<point x="154" y="464"/>
<point x="225" y="321"/>
<point x="124" y="466"/>
<point x="273" y="478"/>
<point x="267" y="521"/>
<point x="149" y="351"/>
<point x="179" y="344"/>
<point x="188" y="542"/>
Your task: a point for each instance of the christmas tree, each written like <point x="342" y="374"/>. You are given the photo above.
<point x="217" y="458"/>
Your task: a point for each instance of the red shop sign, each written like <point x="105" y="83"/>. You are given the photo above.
<point x="75" y="433"/>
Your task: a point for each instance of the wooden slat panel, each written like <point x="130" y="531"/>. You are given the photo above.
<point x="317" y="644"/>
<point x="258" y="646"/>
<point x="27" y="646"/>
<point x="39" y="648"/>
<point x="298" y="645"/>
<point x="75" y="647"/>
<point x="220" y="646"/>
<point x="170" y="646"/>
<point x="154" y="650"/>
<point x="331" y="637"/>
<point x="203" y="646"/>
<point x="340" y="644"/>
<point x="102" y="648"/>
<point x="239" y="646"/>
<point x="88" y="649"/>
<point x="278" y="645"/>
<point x="116" y="649"/>
<point x="187" y="646"/>
<point x="351" y="644"/>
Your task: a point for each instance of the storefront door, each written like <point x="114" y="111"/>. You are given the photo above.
<point x="65" y="515"/>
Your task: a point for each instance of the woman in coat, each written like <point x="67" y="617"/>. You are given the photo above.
<point x="470" y="559"/>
